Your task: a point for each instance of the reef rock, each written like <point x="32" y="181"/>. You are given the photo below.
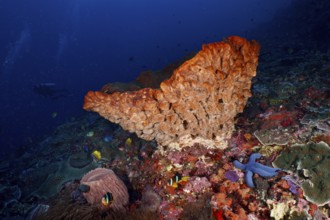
<point x="197" y="104"/>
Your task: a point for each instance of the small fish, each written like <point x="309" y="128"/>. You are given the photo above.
<point x="90" y="134"/>
<point x="107" y="138"/>
<point x="131" y="58"/>
<point x="177" y="179"/>
<point x="275" y="101"/>
<point x="50" y="90"/>
<point x="85" y="148"/>
<point x="290" y="50"/>
<point x="128" y="142"/>
<point x="54" y="114"/>
<point x="247" y="136"/>
<point x="107" y="199"/>
<point x="96" y="155"/>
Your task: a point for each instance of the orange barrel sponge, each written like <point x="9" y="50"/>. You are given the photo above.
<point x="105" y="189"/>
<point x="197" y="104"/>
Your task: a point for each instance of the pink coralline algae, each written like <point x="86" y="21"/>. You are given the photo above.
<point x="102" y="181"/>
<point x="197" y="185"/>
<point x="169" y="210"/>
<point x="176" y="157"/>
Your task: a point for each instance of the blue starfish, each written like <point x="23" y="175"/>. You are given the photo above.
<point x="254" y="167"/>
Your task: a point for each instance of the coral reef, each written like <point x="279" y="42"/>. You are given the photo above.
<point x="290" y="105"/>
<point x="201" y="209"/>
<point x="197" y="185"/>
<point x="273" y="137"/>
<point x="38" y="210"/>
<point x="197" y="104"/>
<point x="311" y="162"/>
<point x="80" y="160"/>
<point x="150" y="200"/>
<point x="232" y="201"/>
<point x="32" y="179"/>
<point x="64" y="208"/>
<point x="55" y="181"/>
<point x="102" y="181"/>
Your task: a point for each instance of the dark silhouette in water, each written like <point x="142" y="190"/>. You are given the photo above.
<point x="49" y="90"/>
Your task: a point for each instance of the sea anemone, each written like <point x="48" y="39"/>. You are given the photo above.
<point x="150" y="200"/>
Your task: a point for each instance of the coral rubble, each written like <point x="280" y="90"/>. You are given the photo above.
<point x="197" y="104"/>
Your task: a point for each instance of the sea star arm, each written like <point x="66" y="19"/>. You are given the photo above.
<point x="249" y="179"/>
<point x="239" y="165"/>
<point x="264" y="171"/>
<point x="254" y="156"/>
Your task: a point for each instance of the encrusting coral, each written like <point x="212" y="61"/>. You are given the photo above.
<point x="197" y="104"/>
<point x="64" y="173"/>
<point x="311" y="162"/>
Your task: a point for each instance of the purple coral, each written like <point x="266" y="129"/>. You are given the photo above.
<point x="232" y="175"/>
<point x="294" y="185"/>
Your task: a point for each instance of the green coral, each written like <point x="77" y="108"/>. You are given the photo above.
<point x="311" y="162"/>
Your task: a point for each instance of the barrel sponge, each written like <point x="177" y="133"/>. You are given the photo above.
<point x="102" y="181"/>
<point x="197" y="104"/>
<point x="311" y="162"/>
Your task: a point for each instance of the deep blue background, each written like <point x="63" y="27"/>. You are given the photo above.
<point x="83" y="44"/>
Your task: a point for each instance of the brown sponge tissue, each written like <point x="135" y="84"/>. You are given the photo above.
<point x="197" y="104"/>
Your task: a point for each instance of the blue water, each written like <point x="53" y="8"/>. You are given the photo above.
<point x="81" y="45"/>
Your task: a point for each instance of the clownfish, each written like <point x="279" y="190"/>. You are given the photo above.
<point x="176" y="179"/>
<point x="107" y="199"/>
